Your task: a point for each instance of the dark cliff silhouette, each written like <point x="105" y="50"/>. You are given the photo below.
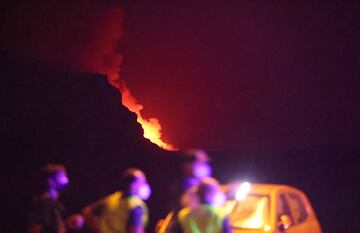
<point x="51" y="115"/>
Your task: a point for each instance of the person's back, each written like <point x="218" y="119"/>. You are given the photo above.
<point x="46" y="215"/>
<point x="208" y="216"/>
<point x="202" y="219"/>
<point x="114" y="212"/>
<point x="121" y="212"/>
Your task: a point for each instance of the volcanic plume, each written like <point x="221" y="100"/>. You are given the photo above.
<point x="80" y="36"/>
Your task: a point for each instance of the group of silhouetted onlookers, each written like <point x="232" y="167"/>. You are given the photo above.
<point x="198" y="206"/>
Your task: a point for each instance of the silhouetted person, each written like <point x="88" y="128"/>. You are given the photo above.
<point x="122" y="212"/>
<point x="208" y="216"/>
<point x="195" y="166"/>
<point x="46" y="213"/>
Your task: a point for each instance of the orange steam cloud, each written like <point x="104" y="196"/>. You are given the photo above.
<point x="82" y="35"/>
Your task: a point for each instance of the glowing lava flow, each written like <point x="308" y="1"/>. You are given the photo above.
<point x="90" y="35"/>
<point x="110" y="31"/>
<point x="151" y="126"/>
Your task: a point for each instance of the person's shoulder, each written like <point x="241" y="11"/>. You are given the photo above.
<point x="107" y="201"/>
<point x="184" y="212"/>
<point x="221" y="211"/>
<point x="41" y="199"/>
<point x="135" y="202"/>
<point x="112" y="197"/>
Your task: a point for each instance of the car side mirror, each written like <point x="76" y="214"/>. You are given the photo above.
<point x="284" y="222"/>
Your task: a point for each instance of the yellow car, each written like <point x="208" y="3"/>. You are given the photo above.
<point x="265" y="208"/>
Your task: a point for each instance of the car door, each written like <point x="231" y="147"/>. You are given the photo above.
<point x="283" y="209"/>
<point x="304" y="219"/>
<point x="298" y="212"/>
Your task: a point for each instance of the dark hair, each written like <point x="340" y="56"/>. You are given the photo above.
<point x="208" y="186"/>
<point x="194" y="155"/>
<point x="188" y="159"/>
<point x="49" y="171"/>
<point x="130" y="176"/>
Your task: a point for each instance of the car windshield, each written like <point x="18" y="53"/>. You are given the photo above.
<point x="250" y="213"/>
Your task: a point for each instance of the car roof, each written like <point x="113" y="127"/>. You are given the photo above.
<point x="261" y="189"/>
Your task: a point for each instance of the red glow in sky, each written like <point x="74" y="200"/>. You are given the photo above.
<point x="78" y="36"/>
<point x="245" y="75"/>
<point x="241" y="75"/>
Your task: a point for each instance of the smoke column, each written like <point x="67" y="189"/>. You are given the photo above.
<point x="80" y="36"/>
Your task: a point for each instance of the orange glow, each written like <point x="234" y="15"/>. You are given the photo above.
<point x="90" y="37"/>
<point x="108" y="33"/>
<point x="151" y="126"/>
<point x="104" y="59"/>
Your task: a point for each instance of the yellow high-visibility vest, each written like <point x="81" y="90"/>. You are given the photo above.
<point x="202" y="219"/>
<point x="115" y="215"/>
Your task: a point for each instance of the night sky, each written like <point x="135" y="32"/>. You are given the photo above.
<point x="232" y="75"/>
<point x="270" y="89"/>
<point x="246" y="74"/>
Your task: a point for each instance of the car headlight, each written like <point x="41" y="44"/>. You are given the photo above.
<point x="242" y="191"/>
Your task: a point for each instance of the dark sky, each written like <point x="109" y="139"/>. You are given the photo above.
<point x="221" y="75"/>
<point x="257" y="75"/>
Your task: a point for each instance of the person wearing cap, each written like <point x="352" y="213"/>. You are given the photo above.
<point x="46" y="212"/>
<point x="121" y="212"/>
<point x="208" y="216"/>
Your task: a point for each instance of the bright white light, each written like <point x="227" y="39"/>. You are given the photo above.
<point x="242" y="191"/>
<point x="267" y="228"/>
